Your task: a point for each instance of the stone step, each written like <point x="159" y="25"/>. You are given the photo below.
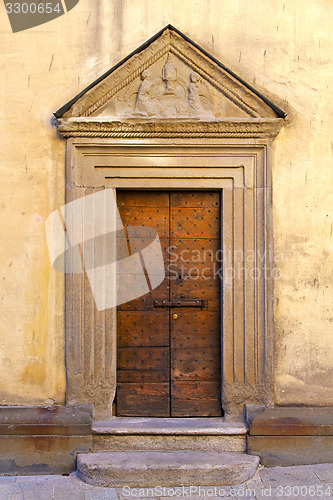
<point x="214" y="426"/>
<point x="165" y="468"/>
<point x="169" y="434"/>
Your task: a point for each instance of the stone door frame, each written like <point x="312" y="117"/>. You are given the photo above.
<point x="238" y="164"/>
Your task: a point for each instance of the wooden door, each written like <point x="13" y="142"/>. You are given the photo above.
<point x="169" y="352"/>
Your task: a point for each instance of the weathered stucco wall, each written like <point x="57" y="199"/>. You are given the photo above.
<point x="285" y="51"/>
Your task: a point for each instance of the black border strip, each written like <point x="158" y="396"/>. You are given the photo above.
<point x="60" y="112"/>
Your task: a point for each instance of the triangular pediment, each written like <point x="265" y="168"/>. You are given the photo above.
<point x="170" y="77"/>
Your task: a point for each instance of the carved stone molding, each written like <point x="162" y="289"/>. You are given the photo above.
<point x="171" y="77"/>
<point x="220" y="132"/>
<point x="268" y="128"/>
<point x="241" y="170"/>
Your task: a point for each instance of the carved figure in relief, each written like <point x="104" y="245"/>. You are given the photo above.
<point x="196" y="109"/>
<point x="169" y="75"/>
<point x="170" y="96"/>
<point x="143" y="104"/>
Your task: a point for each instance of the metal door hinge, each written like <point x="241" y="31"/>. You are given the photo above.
<point x="181" y="303"/>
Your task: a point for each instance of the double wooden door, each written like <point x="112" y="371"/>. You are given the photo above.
<point x="169" y="340"/>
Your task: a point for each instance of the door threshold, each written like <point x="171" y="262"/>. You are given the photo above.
<point x="214" y="426"/>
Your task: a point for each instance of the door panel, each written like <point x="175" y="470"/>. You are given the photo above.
<point x="194" y="222"/>
<point x="142" y="199"/>
<point x="146" y="303"/>
<point x="143" y="364"/>
<point x="143" y="400"/>
<point x="196" y="399"/>
<point x="143" y="354"/>
<point x="208" y="199"/>
<point x="200" y="334"/>
<point x="169" y="358"/>
<point x="195" y="257"/>
<point x="188" y="288"/>
<point x="194" y="364"/>
<point x="156" y="217"/>
<point x="142" y="328"/>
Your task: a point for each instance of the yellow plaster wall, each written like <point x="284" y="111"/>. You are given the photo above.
<point x="284" y="48"/>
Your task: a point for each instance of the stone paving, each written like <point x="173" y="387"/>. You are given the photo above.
<point x="302" y="482"/>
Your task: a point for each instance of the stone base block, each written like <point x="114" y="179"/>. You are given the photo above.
<point x="291" y="450"/>
<point x="29" y="455"/>
<point x="284" y="436"/>
<point x="43" y="440"/>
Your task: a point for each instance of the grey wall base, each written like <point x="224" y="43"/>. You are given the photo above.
<point x="284" y="436"/>
<point x="277" y="451"/>
<point x="43" y="440"/>
<point x="46" y="440"/>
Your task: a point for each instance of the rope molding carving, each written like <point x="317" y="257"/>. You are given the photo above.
<point x="234" y="97"/>
<point x="85" y="128"/>
<point x="91" y="109"/>
<point x="161" y="135"/>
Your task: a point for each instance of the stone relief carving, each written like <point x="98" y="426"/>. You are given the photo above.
<point x="194" y="99"/>
<point x="168" y="89"/>
<point x="144" y="106"/>
<point x="171" y="96"/>
<point x="169" y="75"/>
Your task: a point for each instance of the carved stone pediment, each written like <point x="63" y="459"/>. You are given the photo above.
<point x="171" y="88"/>
<point x="170" y="78"/>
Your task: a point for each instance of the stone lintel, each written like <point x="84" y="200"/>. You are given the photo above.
<point x="169" y="128"/>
